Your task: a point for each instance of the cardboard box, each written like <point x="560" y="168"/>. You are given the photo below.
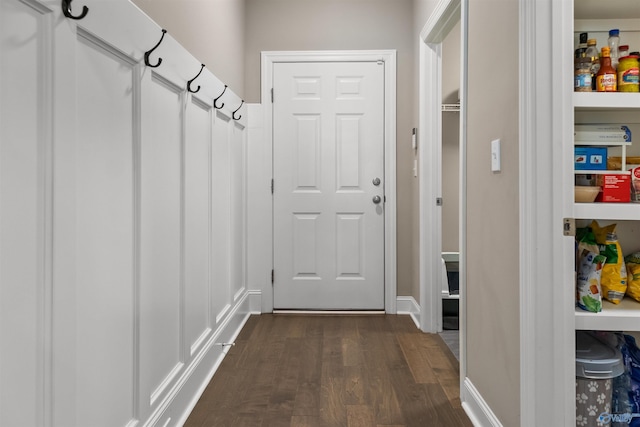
<point x="590" y="158"/>
<point x="616" y="187"/>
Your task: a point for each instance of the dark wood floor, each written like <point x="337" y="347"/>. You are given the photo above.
<point x="369" y="371"/>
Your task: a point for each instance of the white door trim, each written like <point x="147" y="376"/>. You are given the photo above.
<point x="389" y="59"/>
<point x="547" y="350"/>
<point x="445" y="15"/>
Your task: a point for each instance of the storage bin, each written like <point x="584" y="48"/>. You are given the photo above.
<point x="596" y="366"/>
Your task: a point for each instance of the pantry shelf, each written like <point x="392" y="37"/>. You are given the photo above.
<point x="601" y="100"/>
<point x="613" y="317"/>
<point x="607" y="211"/>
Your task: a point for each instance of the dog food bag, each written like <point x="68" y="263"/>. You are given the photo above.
<point x="589" y="292"/>
<point x="614" y="272"/>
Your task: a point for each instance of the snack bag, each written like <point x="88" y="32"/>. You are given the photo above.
<point x="589" y="293"/>
<point x="633" y="275"/>
<point x="586" y="243"/>
<point x="614" y="273"/>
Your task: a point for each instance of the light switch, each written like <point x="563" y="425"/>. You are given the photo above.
<point x="495" y="155"/>
<point x="415" y="168"/>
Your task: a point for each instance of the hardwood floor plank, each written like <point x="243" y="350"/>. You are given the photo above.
<point x="305" y="421"/>
<point x="417" y="360"/>
<point x="356" y="390"/>
<point x="376" y="335"/>
<point x="359" y="416"/>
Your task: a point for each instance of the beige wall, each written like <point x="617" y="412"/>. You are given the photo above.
<point x="492" y="250"/>
<point x="211" y="30"/>
<point x="274" y="25"/>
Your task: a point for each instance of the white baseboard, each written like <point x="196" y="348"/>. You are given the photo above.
<point x="179" y="403"/>
<point x="476" y="408"/>
<point x="408" y="305"/>
<point x="255" y="301"/>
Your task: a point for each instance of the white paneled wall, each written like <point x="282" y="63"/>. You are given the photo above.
<point x="122" y="219"/>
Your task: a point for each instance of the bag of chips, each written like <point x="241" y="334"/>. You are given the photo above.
<point x="633" y="275"/>
<point x="614" y="272"/>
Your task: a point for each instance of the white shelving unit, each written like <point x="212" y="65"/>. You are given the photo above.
<point x="622" y="317"/>
<point x="605" y="101"/>
<point x="626" y="315"/>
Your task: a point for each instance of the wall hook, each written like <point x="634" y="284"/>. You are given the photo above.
<point x="66" y="9"/>
<point x="147" y="53"/>
<point x="215" y="101"/>
<point x="234" y="113"/>
<point x="191" y="81"/>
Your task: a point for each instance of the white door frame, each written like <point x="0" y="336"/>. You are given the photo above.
<point x="388" y="57"/>
<point x="444" y="17"/>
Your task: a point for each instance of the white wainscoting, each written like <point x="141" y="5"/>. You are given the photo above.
<point x="123" y="220"/>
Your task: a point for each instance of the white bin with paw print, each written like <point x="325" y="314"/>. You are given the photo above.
<point x="596" y="365"/>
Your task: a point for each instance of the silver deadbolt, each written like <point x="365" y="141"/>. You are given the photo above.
<point x="376" y="199"/>
<point x="376" y="181"/>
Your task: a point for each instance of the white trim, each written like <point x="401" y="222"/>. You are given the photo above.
<point x="184" y="395"/>
<point x="547" y="367"/>
<point x="435" y="30"/>
<point x="389" y="59"/>
<point x="462" y="256"/>
<point x="443" y="18"/>
<point x="475" y="406"/>
<point x="409" y="306"/>
<point x="255" y="301"/>
<point x="430" y="165"/>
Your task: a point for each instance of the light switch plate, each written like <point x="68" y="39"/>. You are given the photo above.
<point x="495" y="155"/>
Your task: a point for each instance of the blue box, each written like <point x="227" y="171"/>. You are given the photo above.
<point x="590" y="158"/>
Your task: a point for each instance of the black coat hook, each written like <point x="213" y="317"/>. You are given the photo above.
<point x="234" y="113"/>
<point x="147" y="53"/>
<point x="66" y="9"/>
<point x="215" y="101"/>
<point x="191" y="81"/>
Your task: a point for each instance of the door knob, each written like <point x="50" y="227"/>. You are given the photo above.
<point x="376" y="199"/>
<point x="376" y="181"/>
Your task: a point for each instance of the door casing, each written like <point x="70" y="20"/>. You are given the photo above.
<point x="388" y="57"/>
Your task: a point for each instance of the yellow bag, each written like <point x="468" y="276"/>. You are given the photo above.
<point x="633" y="275"/>
<point x="633" y="288"/>
<point x="614" y="272"/>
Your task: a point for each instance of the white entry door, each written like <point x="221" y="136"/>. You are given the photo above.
<point x="328" y="169"/>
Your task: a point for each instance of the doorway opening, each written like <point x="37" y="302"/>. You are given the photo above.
<point x="443" y="162"/>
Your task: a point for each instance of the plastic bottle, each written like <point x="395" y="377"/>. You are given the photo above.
<point x="582" y="46"/>
<point x="623" y="50"/>
<point x="582" y="75"/>
<point x="594" y="56"/>
<point x="614" y="43"/>
<point x="607" y="79"/>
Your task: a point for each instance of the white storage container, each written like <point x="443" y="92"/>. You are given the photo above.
<point x="596" y="365"/>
